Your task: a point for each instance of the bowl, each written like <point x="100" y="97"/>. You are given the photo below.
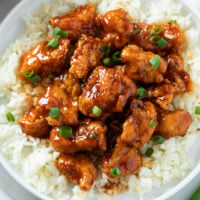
<point x="13" y="23"/>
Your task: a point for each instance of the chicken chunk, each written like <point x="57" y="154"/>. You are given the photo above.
<point x="174" y="123"/>
<point x="162" y="94"/>
<point x="124" y="157"/>
<point x="86" y="56"/>
<point x="108" y="90"/>
<point x="117" y="27"/>
<point x="138" y="65"/>
<point x="69" y="84"/>
<point x="79" y="169"/>
<point x="171" y="33"/>
<point x="56" y="97"/>
<point x="139" y="127"/>
<point x="33" y="124"/>
<point x="77" y="22"/>
<point x="88" y="136"/>
<point x="44" y="61"/>
<point x="176" y="75"/>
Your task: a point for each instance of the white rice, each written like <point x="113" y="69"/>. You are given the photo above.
<point x="35" y="159"/>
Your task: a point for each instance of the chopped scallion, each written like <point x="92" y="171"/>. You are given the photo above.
<point x="153" y="123"/>
<point x="115" y="172"/>
<point x="161" y="42"/>
<point x="158" y="139"/>
<point x="10" y="117"/>
<point x="137" y="30"/>
<point x="28" y="74"/>
<point x="197" y="110"/>
<point x="66" y="131"/>
<point x="155" y="61"/>
<point x="34" y="78"/>
<point x="116" y="57"/>
<point x="58" y="32"/>
<point x="53" y="43"/>
<point x="155" y="30"/>
<point x="154" y="39"/>
<point x="141" y="93"/>
<point x="96" y="111"/>
<point x="94" y="135"/>
<point x="54" y="112"/>
<point x="149" y="152"/>
<point x="106" y="61"/>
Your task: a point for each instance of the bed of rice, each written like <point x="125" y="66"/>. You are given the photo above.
<point x="35" y="159"/>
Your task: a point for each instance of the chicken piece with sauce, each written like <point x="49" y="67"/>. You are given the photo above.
<point x="79" y="169"/>
<point x="77" y="22"/>
<point x="172" y="38"/>
<point x="108" y="91"/>
<point x="173" y="123"/>
<point x="87" y="136"/>
<point x="139" y="127"/>
<point x="56" y="97"/>
<point x="33" y="124"/>
<point x="86" y="56"/>
<point x="69" y="84"/>
<point x="139" y="67"/>
<point x="117" y="27"/>
<point x="43" y="60"/>
<point x="124" y="158"/>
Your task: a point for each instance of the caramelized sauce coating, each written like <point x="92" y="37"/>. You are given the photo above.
<point x="138" y="66"/>
<point x="116" y="27"/>
<point x="79" y="169"/>
<point x="108" y="89"/>
<point x="171" y="33"/>
<point x="44" y="61"/>
<point x="77" y="22"/>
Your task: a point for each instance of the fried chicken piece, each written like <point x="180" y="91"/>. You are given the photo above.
<point x="161" y="94"/>
<point x="56" y="97"/>
<point x="177" y="76"/>
<point x="88" y="136"/>
<point x="86" y="56"/>
<point x="77" y="22"/>
<point x="137" y="129"/>
<point x="124" y="157"/>
<point x="117" y="27"/>
<point x="33" y="124"/>
<point x="171" y="33"/>
<point x="173" y="123"/>
<point x="138" y="66"/>
<point x="44" y="61"/>
<point x="108" y="90"/>
<point x="79" y="169"/>
<point x="69" y="84"/>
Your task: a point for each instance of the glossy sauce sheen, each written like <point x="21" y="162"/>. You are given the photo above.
<point x="111" y="136"/>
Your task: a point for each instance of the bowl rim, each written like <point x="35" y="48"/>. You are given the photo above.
<point x="12" y="172"/>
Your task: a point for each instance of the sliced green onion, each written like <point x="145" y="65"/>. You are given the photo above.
<point x="96" y="111"/>
<point x="94" y="135"/>
<point x="28" y="74"/>
<point x="158" y="139"/>
<point x="106" y="61"/>
<point x="172" y="21"/>
<point x="155" y="30"/>
<point x="66" y="131"/>
<point x="197" y="110"/>
<point x="149" y="152"/>
<point x="105" y="49"/>
<point x="34" y="78"/>
<point x="10" y="117"/>
<point x="115" y="172"/>
<point x="54" y="112"/>
<point x="196" y="195"/>
<point x="116" y="57"/>
<point x="58" y="32"/>
<point x="141" y="93"/>
<point x="137" y="30"/>
<point x="153" y="123"/>
<point x="152" y="39"/>
<point x="161" y="42"/>
<point x="155" y="61"/>
<point x="53" y="43"/>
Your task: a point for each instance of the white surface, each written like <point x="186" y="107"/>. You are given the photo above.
<point x="10" y="188"/>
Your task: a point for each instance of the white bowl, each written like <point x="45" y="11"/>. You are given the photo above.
<point x="11" y="28"/>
